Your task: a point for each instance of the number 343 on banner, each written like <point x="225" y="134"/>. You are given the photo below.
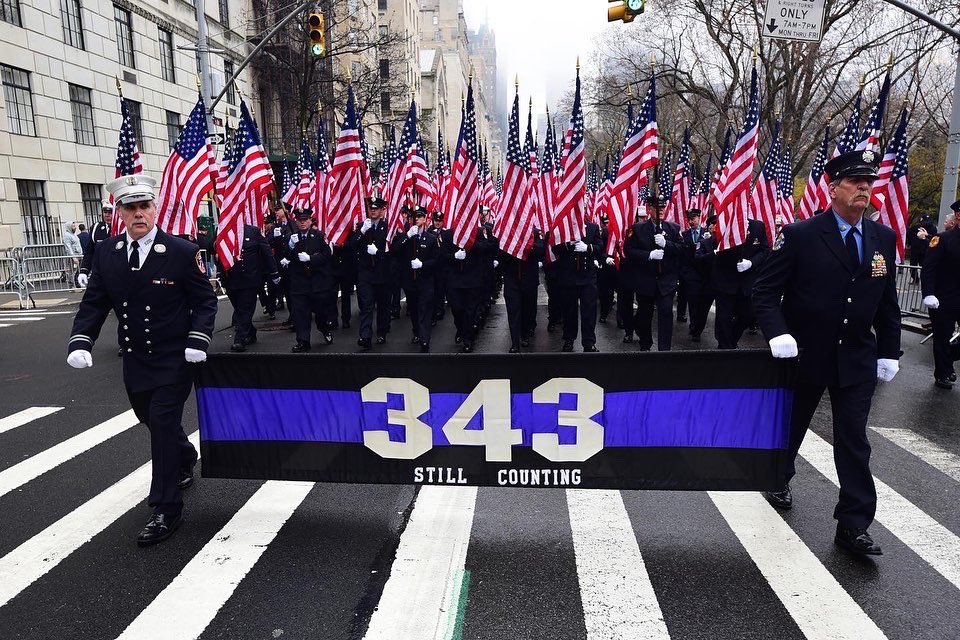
<point x="498" y="434"/>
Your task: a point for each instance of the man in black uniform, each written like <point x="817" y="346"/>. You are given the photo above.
<point x="440" y="271"/>
<point x="244" y="280"/>
<point x="345" y="277"/>
<point x="653" y="248"/>
<point x="577" y="287"/>
<point x="732" y="274"/>
<point x="521" y="284"/>
<point x="607" y="277"/>
<point x="278" y="237"/>
<point x="918" y="238"/>
<point x="308" y="261"/>
<point x="465" y="279"/>
<point x="417" y="251"/>
<point x="165" y="307"/>
<point x="940" y="279"/>
<point x="99" y="233"/>
<point x="374" y="278"/>
<point x="694" y="274"/>
<point x="828" y="284"/>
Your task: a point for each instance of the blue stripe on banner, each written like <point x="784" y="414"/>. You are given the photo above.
<point x="717" y="418"/>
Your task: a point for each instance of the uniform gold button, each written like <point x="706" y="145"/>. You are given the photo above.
<point x="126" y="339"/>
<point x="129" y="350"/>
<point x="147" y="308"/>
<point x="125" y="327"/>
<point x="124" y="304"/>
<point x="849" y="299"/>
<point x="124" y="315"/>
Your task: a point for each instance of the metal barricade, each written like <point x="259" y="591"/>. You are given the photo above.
<point x="909" y="292"/>
<point x="11" y="281"/>
<point x="40" y="251"/>
<point x="49" y="274"/>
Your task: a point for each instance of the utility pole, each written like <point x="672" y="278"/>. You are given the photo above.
<point x="203" y="57"/>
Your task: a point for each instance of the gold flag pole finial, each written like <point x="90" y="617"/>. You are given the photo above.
<point x="863" y="81"/>
<point x="119" y="87"/>
<point x="756" y="53"/>
<point x="349" y="75"/>
<point x="516" y="83"/>
<point x="890" y="62"/>
<point x="198" y="82"/>
<point x="653" y="63"/>
<point x="578" y="66"/>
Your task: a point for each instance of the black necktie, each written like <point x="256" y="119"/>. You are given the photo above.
<point x="696" y="236"/>
<point x="135" y="256"/>
<point x="852" y="250"/>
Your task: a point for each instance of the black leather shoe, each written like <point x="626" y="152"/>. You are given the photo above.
<point x="424" y="347"/>
<point x="514" y="350"/>
<point x="627" y="339"/>
<point x="239" y="347"/>
<point x="120" y="352"/>
<point x="345" y="324"/>
<point x="381" y="339"/>
<point x="300" y="347"/>
<point x="857" y="541"/>
<point x="780" y="499"/>
<point x="160" y="527"/>
<point x="567" y="346"/>
<point x="364" y="344"/>
<point x="943" y="383"/>
<point x="591" y="349"/>
<point x="272" y="316"/>
<point x="953" y="377"/>
<point x="458" y="339"/>
<point x="185" y="479"/>
<point x="251" y="340"/>
<point x="328" y="338"/>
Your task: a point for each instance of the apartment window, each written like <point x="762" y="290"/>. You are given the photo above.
<point x="385" y="103"/>
<point x="16" y="92"/>
<point x="382" y="5"/>
<point x="82" y="106"/>
<point x="436" y="20"/>
<point x="224" y="13"/>
<point x="121" y="17"/>
<point x="356" y="70"/>
<point x="383" y="31"/>
<point x="166" y="55"/>
<point x="232" y="89"/>
<point x="72" y="24"/>
<point x="173" y="128"/>
<point x="10" y="11"/>
<point x="384" y="69"/>
<point x="134" y="109"/>
<point x="33" y="209"/>
<point x="91" y="197"/>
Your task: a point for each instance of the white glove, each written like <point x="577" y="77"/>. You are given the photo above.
<point x="416" y="264"/>
<point x="580" y="246"/>
<point x="922" y="234"/>
<point x="931" y="302"/>
<point x="887" y="369"/>
<point x="596" y="264"/>
<point x="460" y="255"/>
<point x="303" y="256"/>
<point x="610" y="261"/>
<point x="294" y="239"/>
<point x="744" y="265"/>
<point x="284" y="263"/>
<point x="496" y="263"/>
<point x="82" y="280"/>
<point x="80" y="359"/>
<point x="277" y="232"/>
<point x="366" y="226"/>
<point x="660" y="240"/>
<point x="784" y="346"/>
<point x="372" y="249"/>
<point x="656" y="254"/>
<point x="540" y="265"/>
<point x="194" y="355"/>
<point x="413" y="231"/>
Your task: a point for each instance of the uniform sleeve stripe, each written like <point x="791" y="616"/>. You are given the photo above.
<point x="81" y="337"/>
<point x="199" y="336"/>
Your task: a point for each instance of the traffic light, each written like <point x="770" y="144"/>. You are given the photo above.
<point x="318" y="41"/>
<point x="625" y="10"/>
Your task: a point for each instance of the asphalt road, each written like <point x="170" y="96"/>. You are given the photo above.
<point x="274" y="560"/>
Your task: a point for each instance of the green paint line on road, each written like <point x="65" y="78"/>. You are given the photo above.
<point x="461" y="610"/>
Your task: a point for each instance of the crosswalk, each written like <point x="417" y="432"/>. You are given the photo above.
<point x="16" y="318"/>
<point x="613" y="577"/>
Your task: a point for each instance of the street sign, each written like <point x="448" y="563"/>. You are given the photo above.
<point x="218" y="121"/>
<point x="794" y="20"/>
<point x="218" y="138"/>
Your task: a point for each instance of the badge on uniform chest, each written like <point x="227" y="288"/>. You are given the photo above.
<point x="878" y="266"/>
<point x="163" y="281"/>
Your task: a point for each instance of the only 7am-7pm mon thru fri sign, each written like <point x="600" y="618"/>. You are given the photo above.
<point x="794" y="20"/>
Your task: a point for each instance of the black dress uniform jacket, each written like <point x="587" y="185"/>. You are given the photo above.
<point x="724" y="275"/>
<point x="255" y="262"/>
<point x="577" y="269"/>
<point x="99" y="233"/>
<point x="829" y="306"/>
<point x="695" y="273"/>
<point x="647" y="276"/>
<point x="941" y="269"/>
<point x="316" y="275"/>
<point x="470" y="272"/>
<point x="424" y="247"/>
<point x="524" y="274"/>
<point x="376" y="269"/>
<point x="163" y="308"/>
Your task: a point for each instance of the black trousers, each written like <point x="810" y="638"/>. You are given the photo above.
<point x="420" y="304"/>
<point x="683" y="298"/>
<point x="345" y="309"/>
<point x="302" y="307"/>
<point x="944" y="324"/>
<point x="606" y="285"/>
<point x="374" y="299"/>
<point x="244" y="303"/>
<point x="644" y="321"/>
<point x="268" y="296"/>
<point x="734" y="316"/>
<point x="699" y="310"/>
<point x="554" y="300"/>
<point x="465" y="305"/>
<point x="521" y="310"/>
<point x="161" y="409"/>
<point x="851" y="450"/>
<point x="625" y="308"/>
<point x="439" y="294"/>
<point x="580" y="300"/>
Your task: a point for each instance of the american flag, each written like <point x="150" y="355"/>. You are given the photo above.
<point x="465" y="208"/>
<point x="703" y="189"/>
<point x="249" y="179"/>
<point x="715" y="180"/>
<point x="298" y="194"/>
<point x="545" y="184"/>
<point x="850" y="135"/>
<point x="386" y="161"/>
<point x="417" y="165"/>
<point x="488" y="195"/>
<point x="602" y="204"/>
<point x="499" y="180"/>
<point x="221" y="168"/>
<point x="813" y="197"/>
<point x="400" y="182"/>
<point x="286" y="171"/>
<point x="765" y="200"/>
<point x="593" y="184"/>
<point x="365" y="166"/>
<point x="572" y="187"/>
<point x="894" y="184"/>
<point x="870" y="137"/>
<point x="785" y="183"/>
<point x="733" y="201"/>
<point x="680" y="193"/>
<point x="441" y="172"/>
<point x="319" y="194"/>
<point x="345" y="192"/>
<point x="641" y="152"/>
<point x="187" y="177"/>
<point x="128" y="157"/>
<point x="665" y="178"/>
<point x="515" y="222"/>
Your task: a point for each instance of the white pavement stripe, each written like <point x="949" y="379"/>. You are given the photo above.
<point x="617" y="596"/>
<point x="26" y="416"/>
<point x="195" y="596"/>
<point x="2" y="326"/>
<point x="929" y="539"/>
<point x="33" y="312"/>
<point x="34" y="558"/>
<point x="24" y="318"/>
<point x="34" y="466"/>
<point x="934" y="455"/>
<point x="809" y="592"/>
<point x="421" y="595"/>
